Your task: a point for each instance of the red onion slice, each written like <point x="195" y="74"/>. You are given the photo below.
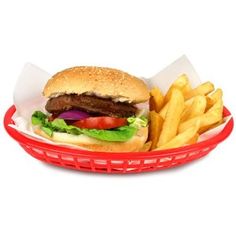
<point x="73" y="115"/>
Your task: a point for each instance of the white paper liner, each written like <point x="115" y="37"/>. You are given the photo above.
<point x="168" y="75"/>
<point x="24" y="127"/>
<point x="28" y="95"/>
<point x="28" y="90"/>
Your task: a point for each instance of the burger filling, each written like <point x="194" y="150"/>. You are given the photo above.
<point x="96" y="117"/>
<point x="90" y="104"/>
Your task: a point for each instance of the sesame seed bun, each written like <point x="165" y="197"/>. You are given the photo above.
<point x="100" y="81"/>
<point x="133" y="145"/>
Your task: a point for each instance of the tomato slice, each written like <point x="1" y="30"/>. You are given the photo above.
<point x="101" y="122"/>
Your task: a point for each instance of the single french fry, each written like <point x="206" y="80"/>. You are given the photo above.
<point x="218" y="94"/>
<point x="172" y="118"/>
<point x="194" y="139"/>
<point x="210" y="103"/>
<point x="182" y="139"/>
<point x="212" y="116"/>
<point x="213" y="98"/>
<point x="186" y="89"/>
<point x="191" y="109"/>
<point x="206" y="128"/>
<point x="168" y="94"/>
<point x="197" y="108"/>
<point x="186" y="111"/>
<point x="205" y="120"/>
<point x="202" y="89"/>
<point x="218" y="106"/>
<point x="152" y="104"/>
<point x="188" y="102"/>
<point x="184" y="114"/>
<point x="156" y="100"/>
<point x="188" y="124"/>
<point x="146" y="147"/>
<point x="180" y="83"/>
<point x="163" y="111"/>
<point x="155" y="127"/>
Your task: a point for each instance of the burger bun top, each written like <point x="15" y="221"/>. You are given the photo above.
<point x="99" y="81"/>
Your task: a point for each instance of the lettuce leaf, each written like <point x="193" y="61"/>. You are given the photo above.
<point x="38" y="118"/>
<point x="138" y="122"/>
<point x="61" y="126"/>
<point x="120" y="134"/>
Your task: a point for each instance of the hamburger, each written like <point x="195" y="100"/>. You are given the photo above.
<point x="95" y="108"/>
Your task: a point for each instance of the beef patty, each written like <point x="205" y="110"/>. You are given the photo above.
<point x="91" y="104"/>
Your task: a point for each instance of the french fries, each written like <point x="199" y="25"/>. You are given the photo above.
<point x="154" y="128"/>
<point x="172" y="118"/>
<point x="181" y="83"/>
<point x="184" y="113"/>
<point x="197" y="108"/>
<point x="186" y="89"/>
<point x="193" y="139"/>
<point x="218" y="106"/>
<point x="156" y="100"/>
<point x="202" y="89"/>
<point x="212" y="116"/>
<point x="208" y="127"/>
<point x="163" y="111"/>
<point x="181" y="139"/>
<point x="213" y="98"/>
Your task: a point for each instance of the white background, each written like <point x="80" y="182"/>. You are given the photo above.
<point x="140" y="37"/>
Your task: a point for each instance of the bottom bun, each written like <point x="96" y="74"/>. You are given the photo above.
<point x="85" y="142"/>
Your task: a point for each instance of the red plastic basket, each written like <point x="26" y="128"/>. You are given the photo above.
<point x="103" y="162"/>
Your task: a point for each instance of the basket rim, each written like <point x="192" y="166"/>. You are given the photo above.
<point x="24" y="140"/>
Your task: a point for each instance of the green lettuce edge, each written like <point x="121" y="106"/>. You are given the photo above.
<point x="121" y="134"/>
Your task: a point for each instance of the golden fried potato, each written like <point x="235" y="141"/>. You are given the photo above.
<point x="197" y="108"/>
<point x="194" y="139"/>
<point x="180" y="83"/>
<point x="155" y="127"/>
<point x="172" y="118"/>
<point x="213" y="98"/>
<point x="212" y="116"/>
<point x="152" y="104"/>
<point x="186" y="89"/>
<point x="202" y="89"/>
<point x="218" y="106"/>
<point x="163" y="111"/>
<point x="156" y="100"/>
<point x="188" y="136"/>
<point x="206" y="128"/>
<point x="184" y="113"/>
<point x="216" y="95"/>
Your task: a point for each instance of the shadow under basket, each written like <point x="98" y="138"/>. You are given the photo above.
<point x="106" y="162"/>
